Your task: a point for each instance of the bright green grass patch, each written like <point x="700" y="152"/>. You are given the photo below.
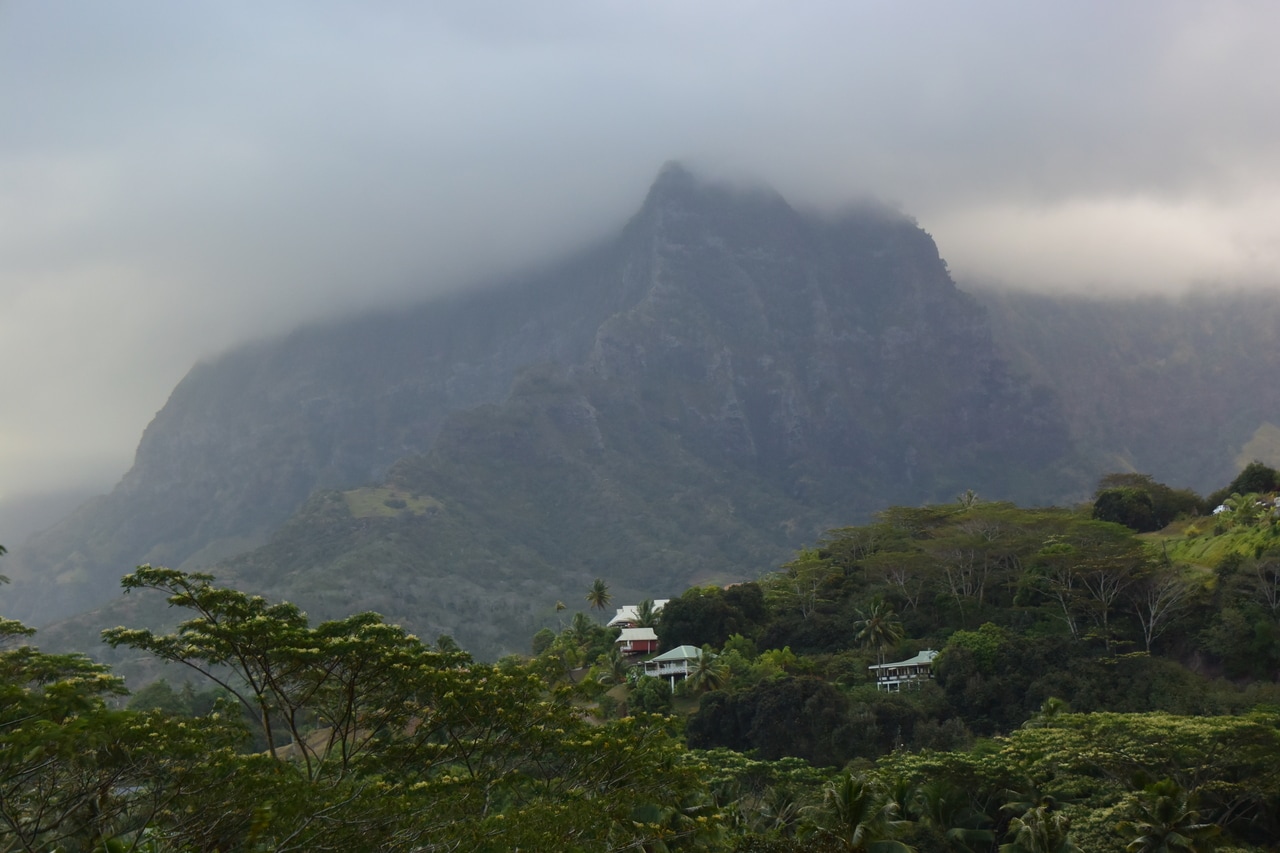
<point x="1208" y="549"/>
<point x="388" y="503"/>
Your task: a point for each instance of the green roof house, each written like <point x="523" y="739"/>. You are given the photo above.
<point x="910" y="672"/>
<point x="676" y="663"/>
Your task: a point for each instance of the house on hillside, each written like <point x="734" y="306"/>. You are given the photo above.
<point x="910" y="672"/>
<point x="637" y="641"/>
<point x="677" y="663"/>
<point x="629" y="617"/>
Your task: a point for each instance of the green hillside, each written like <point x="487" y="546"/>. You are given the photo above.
<point x="1090" y="683"/>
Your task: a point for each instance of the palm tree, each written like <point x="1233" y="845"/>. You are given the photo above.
<point x="709" y="673"/>
<point x="581" y="627"/>
<point x="1167" y="822"/>
<point x="1042" y="829"/>
<point x="598" y="596"/>
<point x="1242" y="510"/>
<point x="878" y="627"/>
<point x="1029" y="795"/>
<point x="646" y="614"/>
<point x="777" y="811"/>
<point x="1050" y="711"/>
<point x="949" y="808"/>
<point x="613" y="667"/>
<point x="857" y="816"/>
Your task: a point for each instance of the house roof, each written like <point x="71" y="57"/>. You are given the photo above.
<point x="627" y="613"/>
<point x="632" y="635"/>
<point x="679" y="653"/>
<point x="923" y="657"/>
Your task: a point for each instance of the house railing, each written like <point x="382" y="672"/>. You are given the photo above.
<point x="681" y="668"/>
<point x="892" y="681"/>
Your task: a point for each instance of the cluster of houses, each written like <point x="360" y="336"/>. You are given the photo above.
<point x="635" y="640"/>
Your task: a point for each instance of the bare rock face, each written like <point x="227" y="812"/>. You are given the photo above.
<point x="807" y="348"/>
<point x="708" y="390"/>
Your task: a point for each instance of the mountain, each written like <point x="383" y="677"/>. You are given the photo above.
<point x="686" y="403"/>
<point x="1185" y="389"/>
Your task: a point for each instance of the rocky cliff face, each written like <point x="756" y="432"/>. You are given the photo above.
<point x="805" y="347"/>
<point x="710" y="389"/>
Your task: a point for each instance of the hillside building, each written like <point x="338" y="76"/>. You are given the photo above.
<point x="891" y="677"/>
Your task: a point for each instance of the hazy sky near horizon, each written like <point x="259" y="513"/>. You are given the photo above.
<point x="176" y="178"/>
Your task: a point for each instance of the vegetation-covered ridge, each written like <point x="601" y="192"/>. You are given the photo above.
<point x="1095" y="689"/>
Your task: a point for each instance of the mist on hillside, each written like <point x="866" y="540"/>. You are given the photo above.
<point x="176" y="180"/>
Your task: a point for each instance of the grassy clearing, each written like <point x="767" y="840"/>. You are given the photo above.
<point x="388" y="503"/>
<point x="1195" y="543"/>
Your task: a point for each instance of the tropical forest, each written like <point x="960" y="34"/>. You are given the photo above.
<point x="1093" y="678"/>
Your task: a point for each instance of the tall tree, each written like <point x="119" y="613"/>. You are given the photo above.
<point x="983" y="550"/>
<point x="1156" y="599"/>
<point x="801" y="582"/>
<point x="1055" y="575"/>
<point x="379" y="742"/>
<point x="598" y="595"/>
<point x="1266" y="571"/>
<point x="709" y="673"/>
<point x="1106" y="574"/>
<point x="909" y="572"/>
<point x="76" y="773"/>
<point x="878" y="628"/>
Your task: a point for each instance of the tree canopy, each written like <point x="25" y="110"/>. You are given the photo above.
<point x="280" y="733"/>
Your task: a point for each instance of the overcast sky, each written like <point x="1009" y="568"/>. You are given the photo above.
<point x="179" y="177"/>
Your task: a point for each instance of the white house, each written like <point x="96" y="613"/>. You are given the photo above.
<point x="680" y="661"/>
<point x="912" y="671"/>
<point x="627" y="615"/>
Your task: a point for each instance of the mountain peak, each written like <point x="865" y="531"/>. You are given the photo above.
<point x="678" y="189"/>
<point x="672" y="182"/>
<point x="674" y="173"/>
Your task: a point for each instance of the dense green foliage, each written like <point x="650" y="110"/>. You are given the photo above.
<point x="1255" y="478"/>
<point x="372" y="741"/>
<point x="353" y="734"/>
<point x="1140" y="503"/>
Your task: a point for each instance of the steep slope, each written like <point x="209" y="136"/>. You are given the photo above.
<point x="837" y="355"/>
<point x="690" y="402"/>
<point x="1184" y="390"/>
<point x="244" y="439"/>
